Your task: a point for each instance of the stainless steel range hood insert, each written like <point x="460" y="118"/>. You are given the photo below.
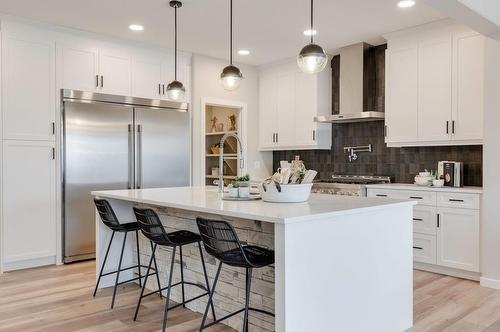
<point x="357" y="66"/>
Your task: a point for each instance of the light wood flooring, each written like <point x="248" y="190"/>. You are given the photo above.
<point x="59" y="298"/>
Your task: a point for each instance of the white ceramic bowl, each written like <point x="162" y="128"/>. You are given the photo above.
<point x="423" y="180"/>
<point x="290" y="193"/>
<point x="438" y="183"/>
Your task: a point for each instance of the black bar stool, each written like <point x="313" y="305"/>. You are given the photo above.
<point x="221" y="241"/>
<point x="152" y="228"/>
<point x="109" y="219"/>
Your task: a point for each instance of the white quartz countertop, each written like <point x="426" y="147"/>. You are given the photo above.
<point x="208" y="200"/>
<point x="414" y="187"/>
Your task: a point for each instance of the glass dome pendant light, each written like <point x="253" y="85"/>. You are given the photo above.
<point x="312" y="58"/>
<point x="175" y="89"/>
<point x="231" y="75"/>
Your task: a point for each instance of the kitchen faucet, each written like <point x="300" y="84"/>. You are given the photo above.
<point x="221" y="158"/>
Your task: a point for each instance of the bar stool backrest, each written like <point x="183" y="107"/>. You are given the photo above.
<point x="151" y="226"/>
<point x="107" y="214"/>
<point x="221" y="241"/>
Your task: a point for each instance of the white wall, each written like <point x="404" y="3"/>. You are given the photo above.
<point x="491" y="161"/>
<point x="206" y="72"/>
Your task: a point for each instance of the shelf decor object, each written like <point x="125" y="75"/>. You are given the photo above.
<point x="231" y="75"/>
<point x="312" y="58"/>
<point x="175" y="89"/>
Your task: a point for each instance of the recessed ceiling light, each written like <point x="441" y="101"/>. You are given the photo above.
<point x="243" y="52"/>
<point x="310" y="32"/>
<point x="406" y="3"/>
<point x="136" y="27"/>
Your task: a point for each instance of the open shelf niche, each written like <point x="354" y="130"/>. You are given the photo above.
<point x="214" y="130"/>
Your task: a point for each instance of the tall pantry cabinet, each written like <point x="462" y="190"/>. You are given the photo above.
<point x="28" y="130"/>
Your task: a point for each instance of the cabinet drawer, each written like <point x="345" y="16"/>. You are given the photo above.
<point x="424" y="248"/>
<point x="422" y="197"/>
<point x="459" y="200"/>
<point x="424" y="220"/>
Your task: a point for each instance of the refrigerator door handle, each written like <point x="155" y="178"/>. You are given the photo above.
<point x="130" y="156"/>
<point x="139" y="183"/>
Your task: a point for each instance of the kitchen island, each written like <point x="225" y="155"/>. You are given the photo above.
<point x="341" y="263"/>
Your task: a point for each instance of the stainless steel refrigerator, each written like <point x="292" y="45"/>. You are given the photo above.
<point x="116" y="142"/>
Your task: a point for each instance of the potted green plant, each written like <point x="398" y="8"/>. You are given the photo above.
<point x="243" y="185"/>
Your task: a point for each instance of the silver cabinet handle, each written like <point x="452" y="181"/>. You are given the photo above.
<point x="453" y="127"/>
<point x="130" y="156"/>
<point x="314" y="135"/>
<point x="96" y="81"/>
<point x="53" y="124"/>
<point x="447" y="127"/>
<point x="139" y="183"/>
<point x="159" y="89"/>
<point x="380" y="195"/>
<point x="419" y="248"/>
<point x="53" y="153"/>
<point x="277" y="138"/>
<point x="102" y="81"/>
<point x="456" y="200"/>
<point x="418" y="219"/>
<point x="416" y="197"/>
<point x="438" y="221"/>
<point x="163" y="88"/>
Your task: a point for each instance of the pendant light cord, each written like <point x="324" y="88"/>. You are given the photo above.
<point x="231" y="32"/>
<point x="312" y="20"/>
<point x="175" y="43"/>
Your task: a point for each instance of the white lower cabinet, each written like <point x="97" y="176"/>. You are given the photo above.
<point x="445" y="226"/>
<point x="458" y="238"/>
<point x="29" y="204"/>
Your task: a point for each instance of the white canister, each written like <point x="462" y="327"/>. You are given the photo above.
<point x="233" y="192"/>
<point x="244" y="191"/>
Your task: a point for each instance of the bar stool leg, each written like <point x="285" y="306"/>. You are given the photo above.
<point x="165" y="312"/>
<point x="206" y="278"/>
<point x="119" y="268"/>
<point x="182" y="278"/>
<point x="104" y="263"/>
<point x="153" y="249"/>
<point x="138" y="257"/>
<point x="210" y="298"/>
<point x="156" y="267"/>
<point x="247" y="297"/>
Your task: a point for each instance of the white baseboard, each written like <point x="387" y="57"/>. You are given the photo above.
<point x="29" y="263"/>
<point x="447" y="271"/>
<point x="490" y="283"/>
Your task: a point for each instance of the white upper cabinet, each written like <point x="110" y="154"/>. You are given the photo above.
<point x="79" y="67"/>
<point x="90" y="65"/>
<point x="401" y="102"/>
<point x="434" y="89"/>
<point x="115" y="69"/>
<point x="146" y="78"/>
<point x="28" y="87"/>
<point x="468" y="62"/>
<point x="289" y="101"/>
<point x="434" y="86"/>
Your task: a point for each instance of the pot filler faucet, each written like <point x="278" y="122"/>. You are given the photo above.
<point x="221" y="158"/>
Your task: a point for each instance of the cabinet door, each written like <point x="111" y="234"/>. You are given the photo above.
<point x="468" y="86"/>
<point x="285" y="108"/>
<point x="458" y="239"/>
<point x="29" y="202"/>
<point x="267" y="112"/>
<point x="434" y="105"/>
<point x="115" y="70"/>
<point x="78" y="67"/>
<point x="401" y="94"/>
<point x="146" y="78"/>
<point x="28" y="89"/>
<point x="305" y="109"/>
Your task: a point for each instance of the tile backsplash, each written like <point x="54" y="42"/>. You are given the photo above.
<point x="401" y="164"/>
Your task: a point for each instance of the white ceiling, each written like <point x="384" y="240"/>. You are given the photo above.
<point x="270" y="29"/>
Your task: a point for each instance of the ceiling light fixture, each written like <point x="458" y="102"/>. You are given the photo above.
<point x="175" y="89"/>
<point x="136" y="27"/>
<point x="312" y="58"/>
<point x="310" y="32"/>
<point x="231" y="75"/>
<point x="406" y="3"/>
<point x="243" y="52"/>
